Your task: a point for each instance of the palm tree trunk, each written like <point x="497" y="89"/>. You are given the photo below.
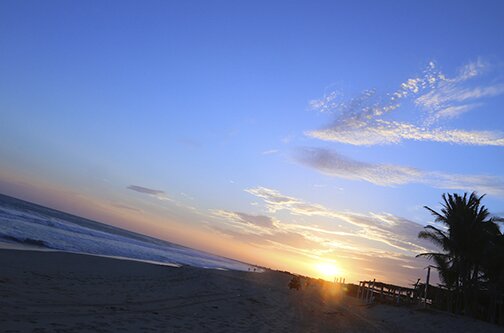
<point x="475" y="292"/>
<point x="493" y="304"/>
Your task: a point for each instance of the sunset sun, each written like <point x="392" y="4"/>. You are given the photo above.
<point x="328" y="270"/>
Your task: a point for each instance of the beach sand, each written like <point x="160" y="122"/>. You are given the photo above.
<point x="65" y="292"/>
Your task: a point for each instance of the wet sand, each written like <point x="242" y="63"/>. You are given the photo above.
<point x="64" y="292"/>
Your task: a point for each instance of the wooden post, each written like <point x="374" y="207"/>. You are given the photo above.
<point x="427" y="286"/>
<point x="371" y="289"/>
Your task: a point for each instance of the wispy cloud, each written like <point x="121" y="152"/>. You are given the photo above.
<point x="368" y="118"/>
<point x="481" y="183"/>
<point x="165" y="198"/>
<point x="380" y="131"/>
<point x="260" y="230"/>
<point x="159" y="194"/>
<point x="260" y="222"/>
<point x="270" y="152"/>
<point x="455" y="110"/>
<point x="145" y="190"/>
<point x="395" y="232"/>
<point x="337" y="165"/>
<point x="312" y="230"/>
<point x="334" y="164"/>
<point x="126" y="207"/>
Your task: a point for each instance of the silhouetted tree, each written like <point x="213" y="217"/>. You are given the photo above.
<point x="493" y="273"/>
<point x="465" y="237"/>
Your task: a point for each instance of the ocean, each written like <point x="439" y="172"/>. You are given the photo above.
<point x="22" y="222"/>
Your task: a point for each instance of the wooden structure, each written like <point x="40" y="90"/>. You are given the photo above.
<point x="373" y="291"/>
<point x="490" y="303"/>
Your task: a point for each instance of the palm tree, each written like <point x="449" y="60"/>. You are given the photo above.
<point x="493" y="272"/>
<point x="463" y="237"/>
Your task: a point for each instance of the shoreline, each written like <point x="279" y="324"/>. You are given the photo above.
<point x="25" y="247"/>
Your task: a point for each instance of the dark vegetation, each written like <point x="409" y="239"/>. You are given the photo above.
<point x="471" y="258"/>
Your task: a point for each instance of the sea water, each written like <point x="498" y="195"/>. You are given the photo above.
<point x="22" y="222"/>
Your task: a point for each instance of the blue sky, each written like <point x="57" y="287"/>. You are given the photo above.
<point x="284" y="133"/>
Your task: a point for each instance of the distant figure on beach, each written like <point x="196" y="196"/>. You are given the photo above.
<point x="295" y="283"/>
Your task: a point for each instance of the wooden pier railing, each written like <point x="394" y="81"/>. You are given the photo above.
<point x="373" y="291"/>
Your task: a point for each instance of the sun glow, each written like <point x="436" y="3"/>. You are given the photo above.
<point x="328" y="270"/>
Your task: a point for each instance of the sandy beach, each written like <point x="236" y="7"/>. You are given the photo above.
<point x="64" y="292"/>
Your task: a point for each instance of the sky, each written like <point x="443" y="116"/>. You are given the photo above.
<point x="290" y="134"/>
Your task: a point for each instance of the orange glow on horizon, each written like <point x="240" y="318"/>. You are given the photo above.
<point x="328" y="270"/>
<point x="159" y="226"/>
